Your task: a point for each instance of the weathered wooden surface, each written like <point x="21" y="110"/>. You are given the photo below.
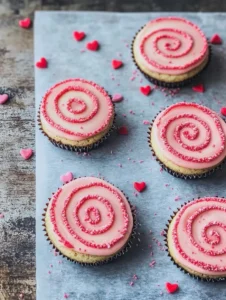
<point x="17" y="183"/>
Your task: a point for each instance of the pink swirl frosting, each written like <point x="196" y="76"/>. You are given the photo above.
<point x="91" y="216"/>
<point x="190" y="135"/>
<point x="199" y="236"/>
<point x="170" y="45"/>
<point x="76" y="109"/>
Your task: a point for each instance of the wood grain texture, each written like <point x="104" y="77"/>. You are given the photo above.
<point x="17" y="184"/>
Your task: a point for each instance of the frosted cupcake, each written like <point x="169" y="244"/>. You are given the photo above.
<point x="189" y="140"/>
<point x="196" y="238"/>
<point x="170" y="51"/>
<point x="76" y="114"/>
<point x="89" y="220"/>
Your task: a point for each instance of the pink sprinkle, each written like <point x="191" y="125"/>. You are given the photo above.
<point x="21" y="296"/>
<point x="127" y="45"/>
<point x="131" y="283"/>
<point x="66" y="296"/>
<point x="152" y="263"/>
<point x="129" y="158"/>
<point x="124" y="115"/>
<point x="1" y="216"/>
<point x="49" y="272"/>
<point x="59" y="262"/>
<point x="132" y="78"/>
<point x="177" y="198"/>
<point x="162" y="233"/>
<point x="161" y="169"/>
<point x="141" y="161"/>
<point x="120" y="165"/>
<point x="146" y="122"/>
<point x="83" y="50"/>
<point x="135" y="277"/>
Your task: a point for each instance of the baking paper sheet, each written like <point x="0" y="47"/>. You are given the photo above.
<point x="114" y="31"/>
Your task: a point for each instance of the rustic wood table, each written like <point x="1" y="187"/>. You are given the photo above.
<point x="17" y="122"/>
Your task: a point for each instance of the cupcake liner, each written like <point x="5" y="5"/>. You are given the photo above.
<point x="75" y="148"/>
<point x="125" y="249"/>
<point x="199" y="278"/>
<point x="177" y="174"/>
<point x="169" y="85"/>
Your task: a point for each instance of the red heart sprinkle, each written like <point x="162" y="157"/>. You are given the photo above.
<point x="123" y="130"/>
<point x="199" y="88"/>
<point x="26" y="153"/>
<point x="216" y="39"/>
<point x="116" y="64"/>
<point x="42" y="63"/>
<point x="139" y="186"/>
<point x="146" y="90"/>
<point x="92" y="46"/>
<point x="171" y="287"/>
<point x="26" y="23"/>
<point x="79" y="35"/>
<point x="223" y="111"/>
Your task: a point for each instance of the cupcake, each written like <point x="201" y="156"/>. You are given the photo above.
<point x="76" y="114"/>
<point x="170" y="51"/>
<point x="196" y="238"/>
<point x="89" y="221"/>
<point x="189" y="140"/>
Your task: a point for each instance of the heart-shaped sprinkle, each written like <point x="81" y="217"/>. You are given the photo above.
<point x="139" y="186"/>
<point x="42" y="63"/>
<point x="65" y="178"/>
<point x="198" y="88"/>
<point x="216" y="40"/>
<point x="26" y="23"/>
<point x="117" y="98"/>
<point x="68" y="245"/>
<point x="123" y="130"/>
<point x="79" y="35"/>
<point x="116" y="64"/>
<point x="3" y="98"/>
<point x="223" y="111"/>
<point x="171" y="287"/>
<point x="26" y="153"/>
<point x="92" y="46"/>
<point x="146" y="90"/>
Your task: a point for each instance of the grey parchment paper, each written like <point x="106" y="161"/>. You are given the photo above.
<point x="114" y="31"/>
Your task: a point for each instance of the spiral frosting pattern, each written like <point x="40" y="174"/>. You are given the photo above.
<point x="170" y="45"/>
<point x="199" y="235"/>
<point x="91" y="216"/>
<point x="76" y="109"/>
<point x="191" y="135"/>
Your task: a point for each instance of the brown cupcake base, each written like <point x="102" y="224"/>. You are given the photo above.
<point x="169" y="85"/>
<point x="79" y="149"/>
<point x="126" y="248"/>
<point x="177" y="174"/>
<point x="199" y="278"/>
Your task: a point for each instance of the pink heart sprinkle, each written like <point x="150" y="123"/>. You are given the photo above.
<point x="26" y="153"/>
<point x="65" y="178"/>
<point x="3" y="98"/>
<point x="117" y="98"/>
